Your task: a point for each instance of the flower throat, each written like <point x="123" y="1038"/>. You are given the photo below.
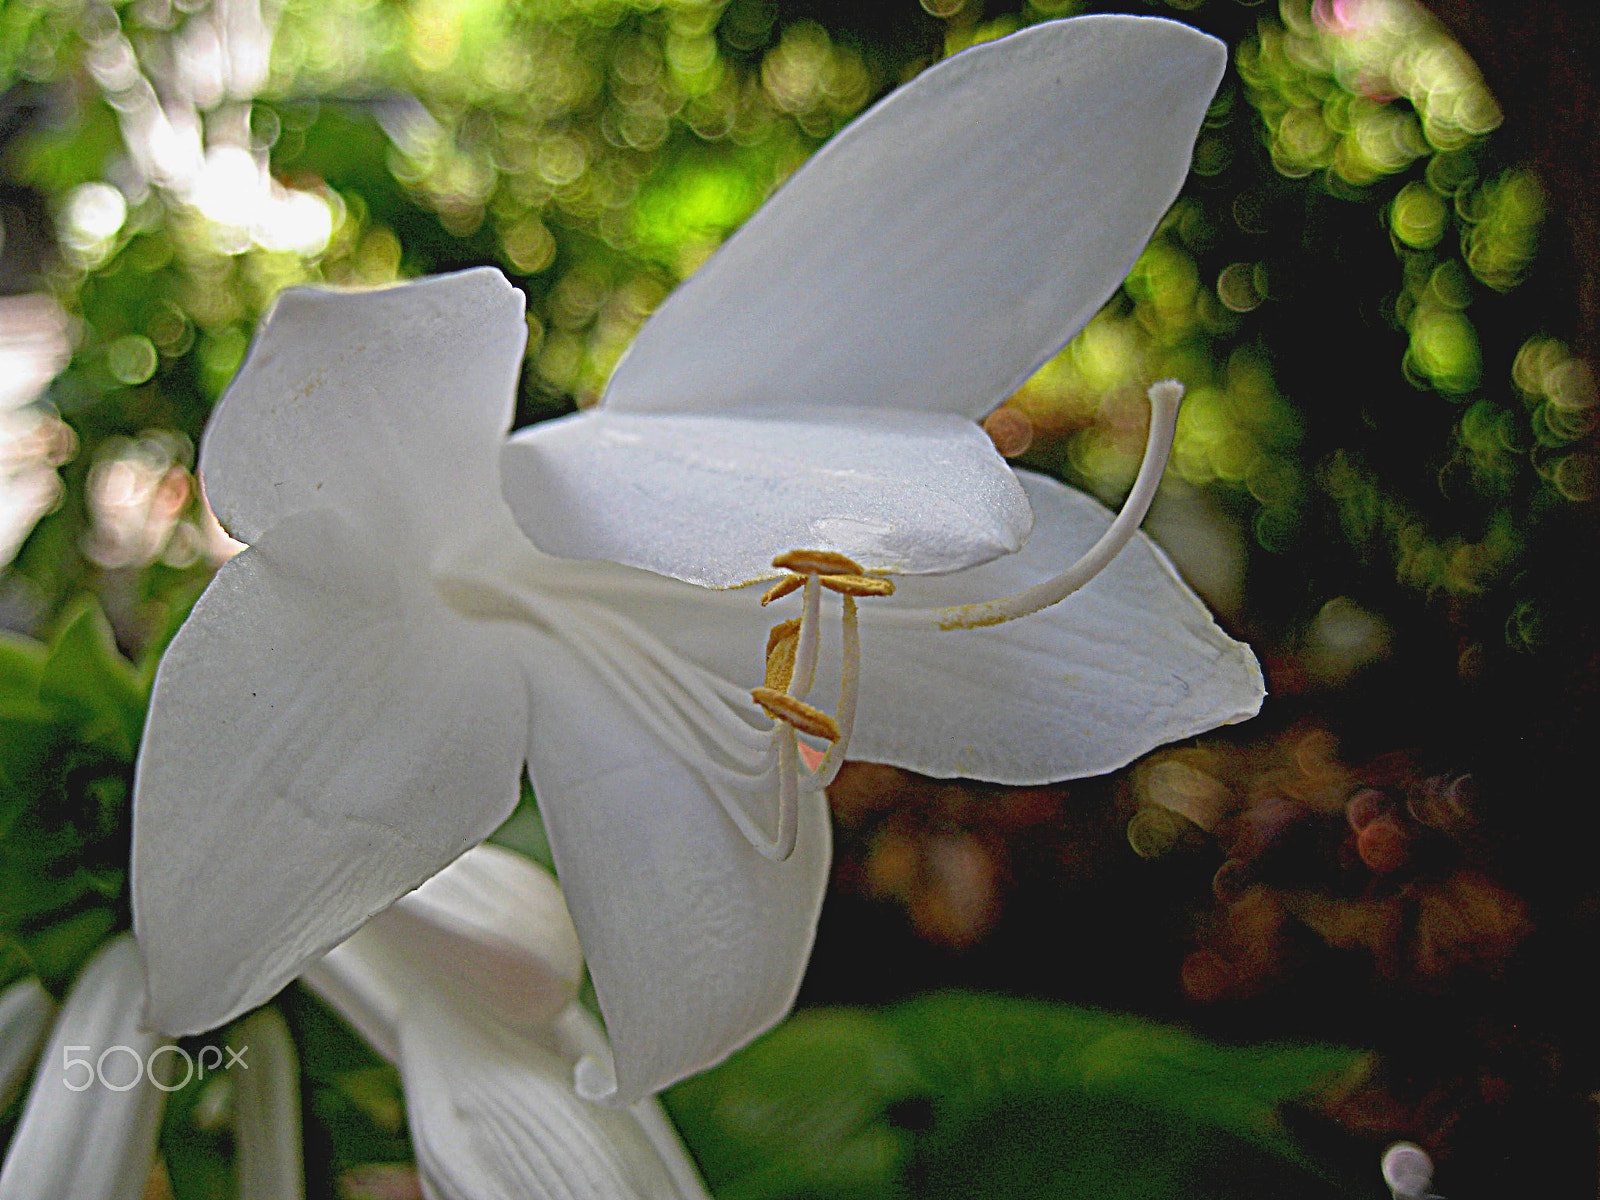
<point x="792" y="645"/>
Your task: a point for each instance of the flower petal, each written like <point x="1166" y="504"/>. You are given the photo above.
<point x="711" y="499"/>
<point x="1132" y="661"/>
<point x="266" y="1113"/>
<point x="695" y="942"/>
<point x="579" y="1034"/>
<point x="324" y="734"/>
<point x="25" y="1013"/>
<point x="388" y="406"/>
<point x="493" y="1117"/>
<point x="83" y="1133"/>
<point x="492" y="926"/>
<point x="938" y="250"/>
<point x="492" y="1108"/>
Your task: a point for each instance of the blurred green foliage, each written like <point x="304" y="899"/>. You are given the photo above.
<point x="1330" y="287"/>
<point x="961" y="1094"/>
<point x="70" y="718"/>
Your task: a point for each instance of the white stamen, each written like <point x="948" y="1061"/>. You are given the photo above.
<point x="805" y="654"/>
<point x="849" y="692"/>
<point x="788" y="795"/>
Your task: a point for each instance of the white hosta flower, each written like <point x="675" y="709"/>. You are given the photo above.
<point x="468" y="985"/>
<point x="352" y="701"/>
<point x="89" y="1127"/>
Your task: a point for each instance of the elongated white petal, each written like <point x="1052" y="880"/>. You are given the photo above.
<point x="492" y="1106"/>
<point x="490" y="929"/>
<point x="711" y="499"/>
<point x="579" y="1034"/>
<point x="939" y="249"/>
<point x="324" y="734"/>
<point x="493" y="927"/>
<point x="386" y="406"/>
<point x="25" y="1013"/>
<point x="695" y="942"/>
<point x="493" y="1117"/>
<point x="266" y="1112"/>
<point x="89" y="1128"/>
<point x="1132" y="661"/>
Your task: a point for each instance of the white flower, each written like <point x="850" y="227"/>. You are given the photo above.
<point x="469" y="985"/>
<point x="89" y="1127"/>
<point x="351" y="703"/>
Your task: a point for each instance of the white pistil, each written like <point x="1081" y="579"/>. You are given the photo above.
<point x="1165" y="398"/>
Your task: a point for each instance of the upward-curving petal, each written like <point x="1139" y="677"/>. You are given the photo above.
<point x="694" y="941"/>
<point x="388" y="406"/>
<point x="1132" y="661"/>
<point x="1129" y="663"/>
<point x="324" y="734"/>
<point x="938" y="250"/>
<point x="710" y="498"/>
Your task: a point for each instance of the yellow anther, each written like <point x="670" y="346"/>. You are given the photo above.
<point x="817" y="562"/>
<point x="784" y="707"/>
<point x="857" y="585"/>
<point x="781" y="645"/>
<point x="790" y="583"/>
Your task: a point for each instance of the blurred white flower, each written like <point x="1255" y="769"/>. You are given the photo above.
<point x="34" y="441"/>
<point x="26" y="1011"/>
<point x="352" y="702"/>
<point x="88" y="1130"/>
<point x="469" y="985"/>
<point x="89" y="1127"/>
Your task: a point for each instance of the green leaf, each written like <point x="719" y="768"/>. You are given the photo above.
<point x="805" y="1111"/>
<point x="958" y="1094"/>
<point x="524" y="831"/>
<point x="85" y="678"/>
<point x="60" y="949"/>
<point x="978" y="1050"/>
<point x="26" y="739"/>
<point x="21" y="664"/>
<point x="196" y="1138"/>
<point x="25" y="725"/>
<point x="355" y="1099"/>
